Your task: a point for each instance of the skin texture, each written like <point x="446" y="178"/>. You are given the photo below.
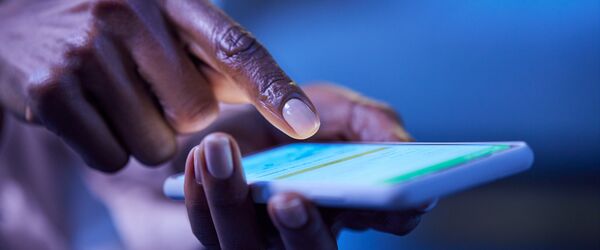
<point x="120" y="78"/>
<point x="221" y="212"/>
<point x="1" y="121"/>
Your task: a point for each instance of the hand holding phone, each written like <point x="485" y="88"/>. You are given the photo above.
<point x="223" y="214"/>
<point x="345" y="116"/>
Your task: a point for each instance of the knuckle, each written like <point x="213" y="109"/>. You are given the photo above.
<point x="274" y="87"/>
<point x="273" y="81"/>
<point x="57" y="81"/>
<point x="243" y="56"/>
<point x="235" y="43"/>
<point x="40" y="93"/>
<point x="116" y="16"/>
<point x="101" y="8"/>
<point x="42" y="101"/>
<point x="376" y="105"/>
<point x="48" y="89"/>
<point x="368" y="107"/>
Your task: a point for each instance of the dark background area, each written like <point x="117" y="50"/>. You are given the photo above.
<point x="466" y="71"/>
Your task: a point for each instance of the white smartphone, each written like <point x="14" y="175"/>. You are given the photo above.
<point x="387" y="176"/>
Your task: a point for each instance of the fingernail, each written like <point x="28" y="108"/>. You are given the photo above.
<point x="303" y="120"/>
<point x="219" y="160"/>
<point x="290" y="212"/>
<point x="197" y="166"/>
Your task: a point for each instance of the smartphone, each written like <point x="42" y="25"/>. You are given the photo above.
<point x="387" y="176"/>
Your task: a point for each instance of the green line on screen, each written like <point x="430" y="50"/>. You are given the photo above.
<point x="330" y="163"/>
<point x="447" y="164"/>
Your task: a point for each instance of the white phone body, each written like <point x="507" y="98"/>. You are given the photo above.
<point x="406" y="194"/>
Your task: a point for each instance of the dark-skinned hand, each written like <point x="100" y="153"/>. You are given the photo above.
<point x="120" y="78"/>
<point x="220" y="208"/>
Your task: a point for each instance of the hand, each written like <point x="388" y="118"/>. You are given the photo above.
<point x="115" y="78"/>
<point x="222" y="213"/>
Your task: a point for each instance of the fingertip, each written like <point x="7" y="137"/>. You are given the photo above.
<point x="193" y="175"/>
<point x="288" y="210"/>
<point x="218" y="155"/>
<point x="299" y="223"/>
<point x="219" y="161"/>
<point x="301" y="118"/>
<point x="196" y="164"/>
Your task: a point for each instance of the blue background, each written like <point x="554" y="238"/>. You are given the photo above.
<point x="466" y="71"/>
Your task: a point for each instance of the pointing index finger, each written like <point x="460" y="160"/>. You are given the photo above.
<point x="233" y="52"/>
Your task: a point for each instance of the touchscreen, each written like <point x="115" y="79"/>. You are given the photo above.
<point x="360" y="163"/>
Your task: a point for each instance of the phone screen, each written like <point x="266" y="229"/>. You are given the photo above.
<point x="360" y="163"/>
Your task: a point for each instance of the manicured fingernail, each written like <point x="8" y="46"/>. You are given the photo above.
<point x="290" y="212"/>
<point x="299" y="116"/>
<point x="219" y="160"/>
<point x="197" y="167"/>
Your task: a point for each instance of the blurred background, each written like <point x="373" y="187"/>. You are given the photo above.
<point x="466" y="71"/>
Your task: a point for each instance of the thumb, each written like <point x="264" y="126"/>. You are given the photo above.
<point x="234" y="54"/>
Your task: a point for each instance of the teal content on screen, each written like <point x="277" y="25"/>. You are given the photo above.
<point x="360" y="163"/>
